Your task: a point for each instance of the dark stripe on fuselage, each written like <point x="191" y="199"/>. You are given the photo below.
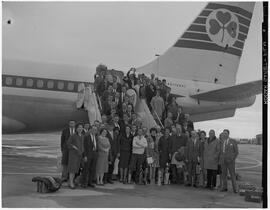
<point x="238" y="44"/>
<point x="197" y="28"/>
<point x="243" y="29"/>
<point x="242" y="37"/>
<point x="200" y="20"/>
<point x="234" y="9"/>
<point x="206" y="46"/>
<point x="243" y="20"/>
<point x="56" y="83"/>
<point x="196" y="36"/>
<point x="205" y="13"/>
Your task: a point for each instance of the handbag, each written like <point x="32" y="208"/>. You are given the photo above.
<point x="115" y="170"/>
<point x="149" y="160"/>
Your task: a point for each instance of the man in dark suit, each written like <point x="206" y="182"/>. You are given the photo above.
<point x="110" y="136"/>
<point x="193" y="153"/>
<point x="66" y="133"/>
<point x="229" y="153"/>
<point x="176" y="141"/>
<point x="86" y="128"/>
<point x="90" y="157"/>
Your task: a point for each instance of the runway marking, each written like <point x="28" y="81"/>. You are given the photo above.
<point x="33" y="173"/>
<point x="259" y="163"/>
<point x="63" y="192"/>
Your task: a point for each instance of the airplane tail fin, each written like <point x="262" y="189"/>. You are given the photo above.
<point x="211" y="47"/>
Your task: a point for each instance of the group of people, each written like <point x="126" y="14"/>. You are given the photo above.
<point x="120" y="148"/>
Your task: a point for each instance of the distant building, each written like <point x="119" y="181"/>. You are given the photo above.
<point x="259" y="139"/>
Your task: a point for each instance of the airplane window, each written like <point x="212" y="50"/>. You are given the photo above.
<point x="9" y="80"/>
<point x="19" y="81"/>
<point x="70" y="86"/>
<point x="29" y="82"/>
<point x="50" y="84"/>
<point x="60" y="85"/>
<point x="39" y="83"/>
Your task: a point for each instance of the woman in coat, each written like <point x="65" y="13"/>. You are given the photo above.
<point x="163" y="149"/>
<point x="125" y="153"/>
<point x="75" y="146"/>
<point x="211" y="159"/>
<point x="104" y="146"/>
<point x="152" y="153"/>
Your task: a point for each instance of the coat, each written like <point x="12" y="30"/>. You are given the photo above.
<point x="231" y="151"/>
<point x="64" y="148"/>
<point x="89" y="146"/>
<point x="211" y="154"/>
<point x="163" y="148"/>
<point x="176" y="142"/>
<point x="193" y="151"/>
<point x="115" y="148"/>
<point x="75" y="154"/>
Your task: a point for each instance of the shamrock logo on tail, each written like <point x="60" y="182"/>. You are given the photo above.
<point x="225" y="22"/>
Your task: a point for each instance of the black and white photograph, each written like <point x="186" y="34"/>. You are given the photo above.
<point x="134" y="104"/>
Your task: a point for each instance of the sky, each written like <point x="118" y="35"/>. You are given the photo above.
<point x="122" y="35"/>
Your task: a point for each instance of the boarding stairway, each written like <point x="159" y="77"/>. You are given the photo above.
<point x="88" y="100"/>
<point x="141" y="109"/>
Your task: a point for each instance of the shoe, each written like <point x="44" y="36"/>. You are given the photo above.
<point x="207" y="187"/>
<point x="63" y="180"/>
<point x="235" y="191"/>
<point x="224" y="190"/>
<point x="83" y="185"/>
<point x="72" y="187"/>
<point x="110" y="182"/>
<point x="195" y="185"/>
<point x="91" y="185"/>
<point x="188" y="185"/>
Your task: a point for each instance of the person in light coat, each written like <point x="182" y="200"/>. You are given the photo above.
<point x="229" y="152"/>
<point x="211" y="158"/>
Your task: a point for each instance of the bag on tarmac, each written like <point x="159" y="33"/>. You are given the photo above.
<point x="47" y="184"/>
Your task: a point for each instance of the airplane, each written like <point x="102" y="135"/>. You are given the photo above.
<point x="200" y="68"/>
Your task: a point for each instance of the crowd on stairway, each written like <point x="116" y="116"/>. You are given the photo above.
<point x="120" y="148"/>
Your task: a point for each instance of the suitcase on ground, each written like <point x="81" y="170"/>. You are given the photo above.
<point x="243" y="187"/>
<point x="253" y="195"/>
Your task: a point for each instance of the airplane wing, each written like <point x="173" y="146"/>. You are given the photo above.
<point x="231" y="93"/>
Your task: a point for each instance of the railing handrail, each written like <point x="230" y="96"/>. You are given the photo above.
<point x="158" y="118"/>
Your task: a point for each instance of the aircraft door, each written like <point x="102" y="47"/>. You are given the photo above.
<point x="80" y="97"/>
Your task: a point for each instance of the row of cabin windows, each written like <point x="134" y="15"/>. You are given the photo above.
<point x="174" y="84"/>
<point x="40" y="83"/>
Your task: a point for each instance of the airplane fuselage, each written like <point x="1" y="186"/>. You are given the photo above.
<point x="34" y="103"/>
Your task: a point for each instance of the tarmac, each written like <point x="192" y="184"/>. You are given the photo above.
<point x="26" y="156"/>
